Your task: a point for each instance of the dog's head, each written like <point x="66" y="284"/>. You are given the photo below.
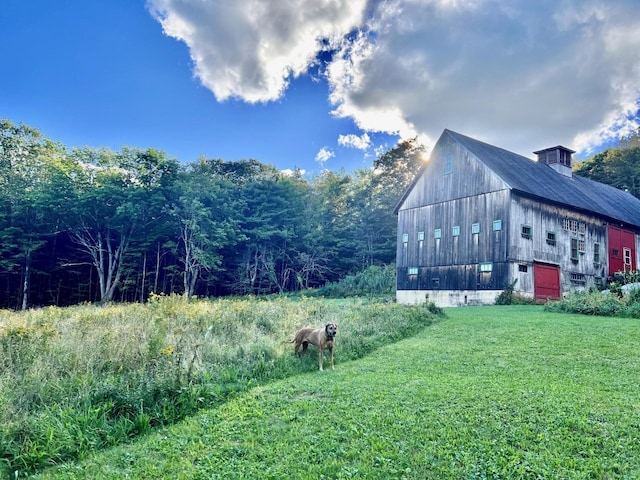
<point x="330" y="330"/>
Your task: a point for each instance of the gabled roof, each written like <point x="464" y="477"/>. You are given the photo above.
<point x="536" y="179"/>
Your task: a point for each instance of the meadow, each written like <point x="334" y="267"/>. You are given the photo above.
<point x="497" y="392"/>
<point x="81" y="379"/>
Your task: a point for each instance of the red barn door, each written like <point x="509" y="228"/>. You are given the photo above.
<point x="622" y="250"/>
<point x="546" y="280"/>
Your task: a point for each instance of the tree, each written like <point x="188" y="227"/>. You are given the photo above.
<point x="207" y="210"/>
<point x="618" y="167"/>
<point x="28" y="185"/>
<point x="117" y="196"/>
<point x="632" y="140"/>
<point x="379" y="191"/>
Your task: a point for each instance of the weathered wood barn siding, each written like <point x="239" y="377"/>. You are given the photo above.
<point x="455" y="190"/>
<point x="550" y="242"/>
<point x="478" y="218"/>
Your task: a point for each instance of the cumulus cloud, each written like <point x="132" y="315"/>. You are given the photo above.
<point x="250" y="49"/>
<point x="522" y="75"/>
<point x="362" y="142"/>
<point x="324" y="154"/>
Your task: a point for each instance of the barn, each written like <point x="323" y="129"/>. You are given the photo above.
<point x="478" y="218"/>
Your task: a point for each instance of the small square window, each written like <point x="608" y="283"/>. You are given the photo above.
<point x="455" y="231"/>
<point x="405" y="238"/>
<point x="412" y="271"/>
<point x="437" y="233"/>
<point x="551" y="238"/>
<point x="497" y="225"/>
<point x="526" y="231"/>
<point x="523" y="268"/>
<point x="486" y="267"/>
<point x="475" y="228"/>
<point x="420" y="236"/>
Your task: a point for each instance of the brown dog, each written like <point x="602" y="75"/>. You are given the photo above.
<point x="320" y="337"/>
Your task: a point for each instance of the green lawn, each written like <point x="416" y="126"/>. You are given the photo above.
<point x="489" y="392"/>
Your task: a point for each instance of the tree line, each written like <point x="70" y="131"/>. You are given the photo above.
<point x="96" y="225"/>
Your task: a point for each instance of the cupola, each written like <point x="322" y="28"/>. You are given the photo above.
<point x="558" y="158"/>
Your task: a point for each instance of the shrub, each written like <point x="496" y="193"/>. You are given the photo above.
<point x="510" y="297"/>
<point x="589" y="303"/>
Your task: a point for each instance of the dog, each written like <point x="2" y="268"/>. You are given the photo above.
<point x="320" y="337"/>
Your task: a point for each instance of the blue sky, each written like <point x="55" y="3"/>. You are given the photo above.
<point x="320" y="83"/>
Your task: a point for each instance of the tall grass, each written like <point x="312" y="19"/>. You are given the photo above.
<point x="374" y="281"/>
<point x="73" y="380"/>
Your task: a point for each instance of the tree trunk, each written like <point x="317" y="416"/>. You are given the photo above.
<point x="27" y="280"/>
<point x="144" y="277"/>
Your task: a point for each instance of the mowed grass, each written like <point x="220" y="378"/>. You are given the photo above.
<point x="489" y="392"/>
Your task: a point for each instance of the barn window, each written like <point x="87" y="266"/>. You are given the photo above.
<point x="526" y="231"/>
<point x="437" y="233"/>
<point x="627" y="259"/>
<point x="574" y="226"/>
<point x="435" y="282"/>
<point x="615" y="252"/>
<point x="455" y="231"/>
<point x="582" y="247"/>
<point x="523" y="268"/>
<point x="420" y="236"/>
<point x="497" y="225"/>
<point x="486" y="267"/>
<point x="405" y="238"/>
<point x="551" y="238"/>
<point x="412" y="271"/>
<point x="475" y="228"/>
<point x="596" y="253"/>
<point x="574" y="249"/>
<point x="577" y="278"/>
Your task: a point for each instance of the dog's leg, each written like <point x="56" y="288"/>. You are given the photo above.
<point x="320" y="355"/>
<point x="331" y="356"/>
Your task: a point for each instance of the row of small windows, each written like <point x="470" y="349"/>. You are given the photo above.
<point x="455" y="231"/>
<point x="484" y="267"/>
<point x="573" y="226"/>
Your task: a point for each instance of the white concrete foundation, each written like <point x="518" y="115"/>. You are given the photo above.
<point x="448" y="298"/>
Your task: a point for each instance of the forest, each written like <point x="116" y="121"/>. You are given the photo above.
<point x="96" y="225"/>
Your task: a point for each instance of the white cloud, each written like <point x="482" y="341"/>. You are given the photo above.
<point x="362" y="142"/>
<point x="287" y="172"/>
<point x="251" y="48"/>
<point x="324" y="154"/>
<point x="521" y="75"/>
